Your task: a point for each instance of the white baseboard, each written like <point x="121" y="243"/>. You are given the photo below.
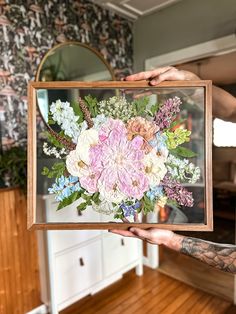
<point x="42" y="309"/>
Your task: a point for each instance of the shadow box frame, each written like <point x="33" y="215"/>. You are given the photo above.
<point x="32" y="224"/>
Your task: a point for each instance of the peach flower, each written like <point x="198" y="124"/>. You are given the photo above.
<point x="140" y="126"/>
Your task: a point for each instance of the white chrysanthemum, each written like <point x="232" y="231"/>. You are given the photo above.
<point x="154" y="168"/>
<point x="75" y="166"/>
<point x="114" y="195"/>
<point x="87" y="139"/>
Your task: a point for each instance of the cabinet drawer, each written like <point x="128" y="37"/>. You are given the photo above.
<point x="118" y="252"/>
<point x="64" y="239"/>
<point x="77" y="270"/>
<point x="69" y="213"/>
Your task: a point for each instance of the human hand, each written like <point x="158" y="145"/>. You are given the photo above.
<point x="151" y="235"/>
<point x="159" y="75"/>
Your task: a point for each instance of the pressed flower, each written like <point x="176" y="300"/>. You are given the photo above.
<point x="167" y="112"/>
<point x="64" y="187"/>
<point x="130" y="210"/>
<point x="159" y="144"/>
<point x="64" y="115"/>
<point x="176" y="138"/>
<point x="175" y="191"/>
<point x="155" y="193"/>
<point x="87" y="139"/>
<point x="182" y="170"/>
<point x="119" y="160"/>
<point x="75" y="165"/>
<point x="154" y="168"/>
<point x="140" y="126"/>
<point x="117" y="107"/>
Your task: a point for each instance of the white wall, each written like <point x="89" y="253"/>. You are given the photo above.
<point x="184" y="24"/>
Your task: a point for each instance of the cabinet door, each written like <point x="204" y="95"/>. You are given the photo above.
<point x="77" y="270"/>
<point x="63" y="239"/>
<point x="118" y="252"/>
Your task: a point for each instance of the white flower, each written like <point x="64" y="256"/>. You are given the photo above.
<point x="154" y="168"/>
<point x="105" y="207"/>
<point x="87" y="139"/>
<point x="114" y="195"/>
<point x="75" y="166"/>
<point x="58" y="153"/>
<point x="64" y="115"/>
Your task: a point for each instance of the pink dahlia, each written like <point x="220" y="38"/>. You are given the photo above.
<point x="119" y="161"/>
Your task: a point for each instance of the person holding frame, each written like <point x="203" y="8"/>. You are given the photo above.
<point x="220" y="256"/>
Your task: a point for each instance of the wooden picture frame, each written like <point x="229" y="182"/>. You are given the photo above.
<point x="190" y="88"/>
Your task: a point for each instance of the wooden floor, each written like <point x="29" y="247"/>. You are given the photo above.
<point x="152" y="293"/>
<point x="197" y="274"/>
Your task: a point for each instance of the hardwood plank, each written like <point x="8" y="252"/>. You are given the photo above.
<point x="19" y="282"/>
<point x="120" y="295"/>
<point x="146" y="302"/>
<point x="197" y="274"/>
<point x="151" y="293"/>
<point x="190" y="303"/>
<point x="215" y="306"/>
<point x="132" y="301"/>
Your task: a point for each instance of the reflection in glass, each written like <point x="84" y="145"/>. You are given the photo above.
<point x="72" y="61"/>
<point x="190" y="117"/>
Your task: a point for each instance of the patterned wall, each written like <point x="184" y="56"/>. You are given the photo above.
<point x="28" y="28"/>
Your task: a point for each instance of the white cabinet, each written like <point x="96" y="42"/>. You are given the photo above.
<point x="75" y="263"/>
<point x="76" y="271"/>
<point x="118" y="252"/>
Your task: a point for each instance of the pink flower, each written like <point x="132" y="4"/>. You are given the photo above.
<point x="90" y="181"/>
<point x="111" y="125"/>
<point x="119" y="160"/>
<point x="140" y="126"/>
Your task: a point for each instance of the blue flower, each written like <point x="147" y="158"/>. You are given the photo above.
<point x="64" y="187"/>
<point x="130" y="210"/>
<point x="155" y="192"/>
<point x="159" y="143"/>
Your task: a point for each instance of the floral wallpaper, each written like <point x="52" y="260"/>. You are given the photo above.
<point x="29" y="28"/>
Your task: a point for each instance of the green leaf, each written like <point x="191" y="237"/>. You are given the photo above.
<point x="76" y="108"/>
<point x="82" y="206"/>
<point x="45" y="171"/>
<point x="92" y="105"/>
<point x="69" y="200"/>
<point x="140" y="105"/>
<point x="56" y="171"/>
<point x="148" y="205"/>
<point x="183" y="152"/>
<point x="52" y="140"/>
<point x="154" y="108"/>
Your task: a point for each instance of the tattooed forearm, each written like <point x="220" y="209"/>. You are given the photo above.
<point x="221" y="256"/>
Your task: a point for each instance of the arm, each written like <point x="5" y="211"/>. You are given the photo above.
<point x="224" y="104"/>
<point x="220" y="256"/>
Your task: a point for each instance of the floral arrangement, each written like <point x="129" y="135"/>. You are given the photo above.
<point x="119" y="157"/>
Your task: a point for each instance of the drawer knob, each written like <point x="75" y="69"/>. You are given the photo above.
<point x="81" y="261"/>
<point x="79" y="212"/>
<point x="122" y="242"/>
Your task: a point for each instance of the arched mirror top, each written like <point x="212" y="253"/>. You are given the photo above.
<point x="74" y="61"/>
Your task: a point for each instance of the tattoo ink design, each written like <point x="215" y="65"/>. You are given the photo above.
<point x="220" y="256"/>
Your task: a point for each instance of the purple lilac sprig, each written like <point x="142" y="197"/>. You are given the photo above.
<point x="167" y="112"/>
<point x="175" y="191"/>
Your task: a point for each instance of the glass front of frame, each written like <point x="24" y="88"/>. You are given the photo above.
<point x="121" y="155"/>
